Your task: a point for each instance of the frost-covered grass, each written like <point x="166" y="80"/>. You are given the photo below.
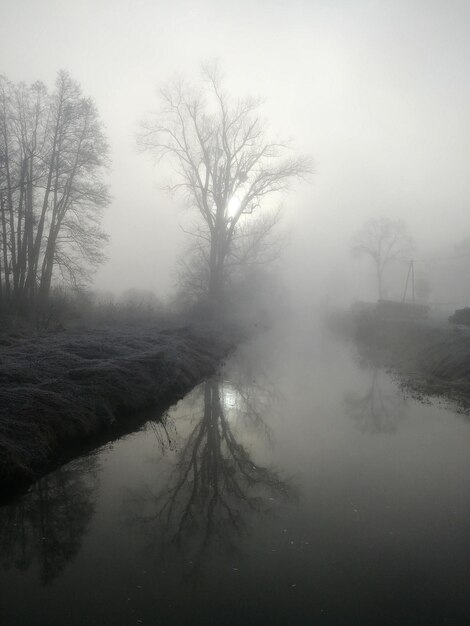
<point x="61" y="387"/>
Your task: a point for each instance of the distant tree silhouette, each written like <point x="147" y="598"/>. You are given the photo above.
<point x="384" y="241"/>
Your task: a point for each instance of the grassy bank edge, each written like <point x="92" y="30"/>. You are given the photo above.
<point x="430" y="358"/>
<point x="58" y="393"/>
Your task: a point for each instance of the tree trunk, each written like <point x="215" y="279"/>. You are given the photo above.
<point x="29" y="276"/>
<point x="380" y="283"/>
<point x="217" y="260"/>
<point x="21" y="229"/>
<point x="48" y="264"/>
<point x="6" y="270"/>
<point x="52" y="169"/>
<point x="215" y="276"/>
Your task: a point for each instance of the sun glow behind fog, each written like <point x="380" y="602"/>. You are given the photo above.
<point x="233" y="206"/>
<point x="230" y="401"/>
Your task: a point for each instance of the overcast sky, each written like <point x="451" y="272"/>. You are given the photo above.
<point x="378" y="92"/>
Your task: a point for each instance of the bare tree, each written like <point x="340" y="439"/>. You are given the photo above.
<point x="52" y="155"/>
<point x="224" y="162"/>
<point x="384" y="241"/>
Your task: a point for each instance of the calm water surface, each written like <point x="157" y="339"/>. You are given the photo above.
<point x="296" y="487"/>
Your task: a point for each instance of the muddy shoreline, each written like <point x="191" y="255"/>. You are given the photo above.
<point x="67" y="394"/>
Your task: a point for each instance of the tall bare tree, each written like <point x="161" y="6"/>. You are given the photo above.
<point x="52" y="155"/>
<point x="224" y="162"/>
<point x="383" y="240"/>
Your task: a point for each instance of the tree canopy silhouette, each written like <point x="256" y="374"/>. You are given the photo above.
<point x="52" y="155"/>
<point x="225" y="165"/>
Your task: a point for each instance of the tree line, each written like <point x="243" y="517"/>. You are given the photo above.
<point x="53" y="152"/>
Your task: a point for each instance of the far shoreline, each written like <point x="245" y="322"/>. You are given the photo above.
<point x="429" y="357"/>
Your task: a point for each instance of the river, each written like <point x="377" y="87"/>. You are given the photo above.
<point x="299" y="486"/>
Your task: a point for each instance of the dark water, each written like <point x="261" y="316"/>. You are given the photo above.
<point x="297" y="487"/>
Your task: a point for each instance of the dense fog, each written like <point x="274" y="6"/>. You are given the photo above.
<point x="234" y="312"/>
<point x="376" y="93"/>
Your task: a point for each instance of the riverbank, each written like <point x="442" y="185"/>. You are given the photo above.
<point x="61" y="388"/>
<point x="430" y="357"/>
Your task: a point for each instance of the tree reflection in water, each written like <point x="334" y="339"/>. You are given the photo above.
<point x="378" y="410"/>
<point x="48" y="523"/>
<point x="214" y="485"/>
